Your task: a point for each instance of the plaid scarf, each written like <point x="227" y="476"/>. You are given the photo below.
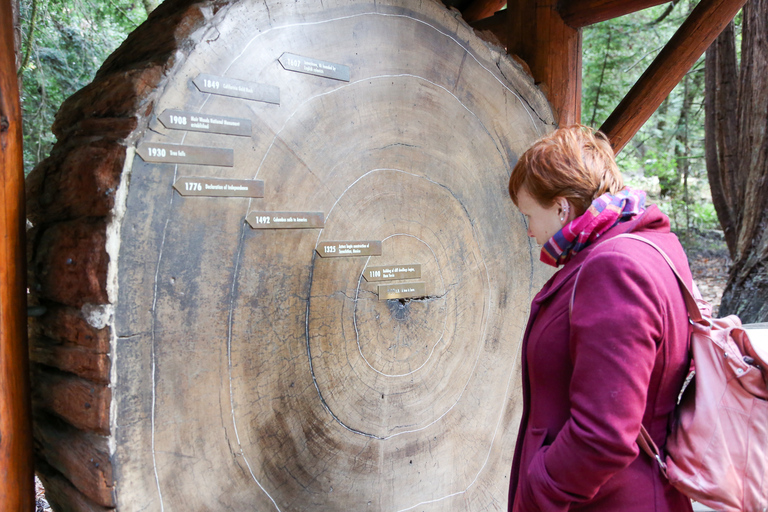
<point x="605" y="212"/>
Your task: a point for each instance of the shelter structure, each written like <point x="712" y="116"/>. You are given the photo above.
<point x="278" y="267"/>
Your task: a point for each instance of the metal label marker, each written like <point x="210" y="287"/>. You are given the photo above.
<point x="402" y="291"/>
<point x="158" y="152"/>
<point x="224" y="86"/>
<point x="392" y="272"/>
<point x="216" y="187"/>
<point x="285" y="220"/>
<point x="207" y="123"/>
<point x="349" y="248"/>
<point x="309" y="66"/>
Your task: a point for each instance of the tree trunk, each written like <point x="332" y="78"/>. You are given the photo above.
<point x="737" y="158"/>
<point x="250" y="371"/>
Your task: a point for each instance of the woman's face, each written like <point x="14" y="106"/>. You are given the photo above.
<point x="543" y="222"/>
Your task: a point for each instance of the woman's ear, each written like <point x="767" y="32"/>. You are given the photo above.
<point x="564" y="210"/>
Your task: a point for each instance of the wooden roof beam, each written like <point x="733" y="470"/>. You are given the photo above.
<point x="481" y="9"/>
<point x="690" y="41"/>
<point x="580" y="13"/>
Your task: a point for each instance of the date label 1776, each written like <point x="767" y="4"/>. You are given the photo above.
<point x="224" y="86"/>
<point x="349" y="248"/>
<point x="216" y="187"/>
<point x="315" y="67"/>
<point x="402" y="291"/>
<point x="285" y="220"/>
<point x="196" y="122"/>
<point x="392" y="272"/>
<point x="158" y="152"/>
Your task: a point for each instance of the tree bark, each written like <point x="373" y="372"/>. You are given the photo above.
<point x="737" y="159"/>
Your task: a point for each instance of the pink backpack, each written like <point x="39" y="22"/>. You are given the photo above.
<point x="717" y="448"/>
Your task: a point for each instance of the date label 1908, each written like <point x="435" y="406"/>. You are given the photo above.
<point x="315" y="67"/>
<point x="349" y="248"/>
<point x="216" y="187"/>
<point x="158" y="152"/>
<point x="207" y="123"/>
<point x="285" y="220"/>
<point x="224" y="86"/>
<point x="402" y="291"/>
<point x="392" y="272"/>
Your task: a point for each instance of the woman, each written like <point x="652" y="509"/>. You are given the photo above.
<point x="595" y="371"/>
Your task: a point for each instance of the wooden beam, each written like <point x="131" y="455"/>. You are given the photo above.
<point x="496" y="24"/>
<point x="536" y="33"/>
<point x="704" y="24"/>
<point x="481" y="9"/>
<point x="580" y="13"/>
<point x="16" y="475"/>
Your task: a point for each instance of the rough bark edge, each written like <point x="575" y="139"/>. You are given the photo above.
<point x="73" y="249"/>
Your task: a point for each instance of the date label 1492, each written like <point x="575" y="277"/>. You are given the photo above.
<point x="285" y="220"/>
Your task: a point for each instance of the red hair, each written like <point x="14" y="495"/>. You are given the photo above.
<point x="575" y="162"/>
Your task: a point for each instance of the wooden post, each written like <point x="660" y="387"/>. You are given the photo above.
<point x="16" y="475"/>
<point x="704" y="24"/>
<point x="537" y="34"/>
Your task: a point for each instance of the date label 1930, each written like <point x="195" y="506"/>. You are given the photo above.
<point x="349" y="248"/>
<point x="158" y="152"/>
<point x="215" y="187"/>
<point x="392" y="272"/>
<point x="196" y="122"/>
<point x="285" y="220"/>
<point x="224" y="86"/>
<point x="402" y="291"/>
<point x="300" y="64"/>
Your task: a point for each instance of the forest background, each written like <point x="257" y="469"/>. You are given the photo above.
<point x="62" y="44"/>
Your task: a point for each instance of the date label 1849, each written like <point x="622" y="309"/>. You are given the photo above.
<point x="402" y="291"/>
<point x="224" y="86"/>
<point x="392" y="272"/>
<point x="196" y="122"/>
<point x="285" y="220"/>
<point x="349" y="248"/>
<point x="315" y="67"/>
<point x="158" y="152"/>
<point x="215" y="187"/>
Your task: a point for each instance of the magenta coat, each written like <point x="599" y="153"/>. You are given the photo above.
<point x="589" y="380"/>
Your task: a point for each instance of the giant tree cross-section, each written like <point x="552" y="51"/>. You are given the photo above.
<point x="281" y="268"/>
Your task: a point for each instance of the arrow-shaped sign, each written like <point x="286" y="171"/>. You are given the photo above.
<point x="158" y="152"/>
<point x="216" y="187"/>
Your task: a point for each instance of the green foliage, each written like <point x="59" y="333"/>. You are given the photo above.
<point x="666" y="157"/>
<point x="63" y="44"/>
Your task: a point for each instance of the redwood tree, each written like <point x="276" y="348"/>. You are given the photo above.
<point x="736" y="102"/>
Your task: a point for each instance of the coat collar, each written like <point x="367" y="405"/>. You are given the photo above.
<point x="652" y="219"/>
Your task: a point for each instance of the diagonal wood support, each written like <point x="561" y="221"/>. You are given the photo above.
<point x="704" y="24"/>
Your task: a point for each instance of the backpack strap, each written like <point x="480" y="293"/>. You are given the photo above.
<point x="690" y="300"/>
<point x="644" y="439"/>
